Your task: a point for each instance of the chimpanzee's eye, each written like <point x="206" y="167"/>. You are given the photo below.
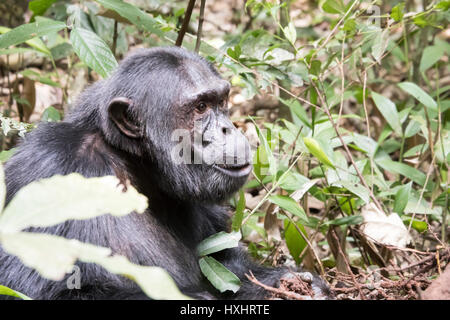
<point x="201" y="107"/>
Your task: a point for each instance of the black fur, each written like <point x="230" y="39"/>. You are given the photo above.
<point x="184" y="201"/>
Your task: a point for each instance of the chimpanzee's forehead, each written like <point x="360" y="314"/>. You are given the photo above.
<point x="200" y="80"/>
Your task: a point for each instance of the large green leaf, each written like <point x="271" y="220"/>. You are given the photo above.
<point x="51" y="201"/>
<point x="405" y="170"/>
<point x="54" y="256"/>
<point x="333" y="6"/>
<point x="219" y="241"/>
<point x="220" y="277"/>
<point x="294" y="241"/>
<point x="430" y="56"/>
<point x="389" y="111"/>
<point x="39" y="7"/>
<point x="133" y="14"/>
<point x="419" y="94"/>
<point x="93" y="51"/>
<point x="12" y="293"/>
<point x="29" y="32"/>
<point x="290" y="205"/>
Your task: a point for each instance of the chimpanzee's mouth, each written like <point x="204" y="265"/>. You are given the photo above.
<point x="234" y="170"/>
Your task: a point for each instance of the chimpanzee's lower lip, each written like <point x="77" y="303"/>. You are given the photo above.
<point x="234" y="170"/>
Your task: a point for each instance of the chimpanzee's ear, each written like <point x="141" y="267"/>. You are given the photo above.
<point x="119" y="114"/>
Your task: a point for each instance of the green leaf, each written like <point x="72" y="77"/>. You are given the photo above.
<point x="430" y="56"/>
<point x="239" y="215"/>
<point x="93" y="51"/>
<point x="444" y="5"/>
<point x="334" y="6"/>
<point x="290" y="205"/>
<point x="419" y="94"/>
<point x="36" y="76"/>
<point x="2" y="189"/>
<point x="422" y="207"/>
<point x="294" y="241"/>
<point x="290" y="33"/>
<point x="12" y="293"/>
<point x="389" y="111"/>
<point x="218" y="242"/>
<point x="350" y="220"/>
<point x="380" y="44"/>
<point x="301" y="190"/>
<point x="366" y="144"/>
<point x="6" y="154"/>
<point x="264" y="153"/>
<point x="220" y="277"/>
<point x="418" y="225"/>
<point x="29" y="31"/>
<point x="39" y="7"/>
<point x="236" y="53"/>
<point x="54" y="200"/>
<point x="402" y="198"/>
<point x="54" y="256"/>
<point x="133" y="14"/>
<point x="51" y="115"/>
<point x="350" y="26"/>
<point x="297" y="108"/>
<point x="356" y="189"/>
<point x="292" y="181"/>
<point x="316" y="150"/>
<point x="397" y="12"/>
<point x="35" y="43"/>
<point x="405" y="170"/>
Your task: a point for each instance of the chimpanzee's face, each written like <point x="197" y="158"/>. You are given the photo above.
<point x="199" y="153"/>
<point x="205" y="146"/>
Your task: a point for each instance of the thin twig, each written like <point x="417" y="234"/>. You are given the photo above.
<point x="184" y="27"/>
<point x="115" y="34"/>
<point x="287" y="294"/>
<point x="200" y="25"/>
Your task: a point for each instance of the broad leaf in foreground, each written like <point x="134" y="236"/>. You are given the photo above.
<point x="93" y="51"/>
<point x="29" y="31"/>
<point x="220" y="277"/>
<point x="54" y="256"/>
<point x="5" y="291"/>
<point x="133" y="14"/>
<point x="219" y="241"/>
<point x="51" y="201"/>
<point x="290" y="205"/>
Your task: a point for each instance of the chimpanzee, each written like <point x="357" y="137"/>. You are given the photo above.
<point x="124" y="126"/>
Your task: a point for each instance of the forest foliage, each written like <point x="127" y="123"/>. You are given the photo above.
<point x="350" y="128"/>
